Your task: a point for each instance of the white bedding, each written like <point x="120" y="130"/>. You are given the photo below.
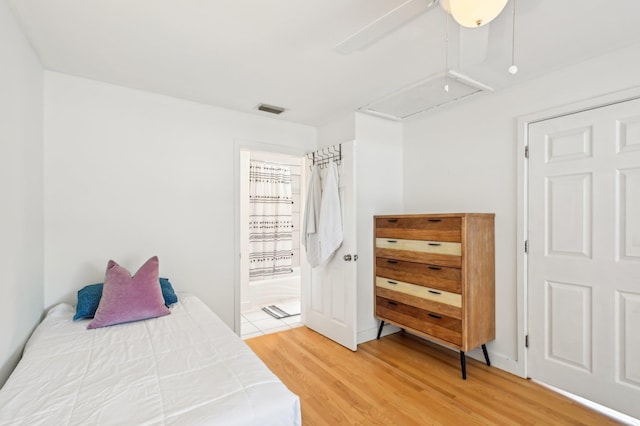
<point x="187" y="368"/>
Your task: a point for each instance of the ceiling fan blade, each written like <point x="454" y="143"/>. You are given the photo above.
<point x="384" y="25"/>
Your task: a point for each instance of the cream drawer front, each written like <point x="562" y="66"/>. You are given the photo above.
<point x="453" y="249"/>
<point x="452" y="299"/>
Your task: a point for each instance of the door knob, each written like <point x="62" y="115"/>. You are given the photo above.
<point x="347" y="258"/>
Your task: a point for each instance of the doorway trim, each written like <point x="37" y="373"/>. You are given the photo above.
<point x="238" y="146"/>
<point x="522" y="183"/>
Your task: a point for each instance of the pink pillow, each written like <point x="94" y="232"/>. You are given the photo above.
<point x="126" y="298"/>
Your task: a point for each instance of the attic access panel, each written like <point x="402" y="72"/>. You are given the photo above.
<point x="425" y="94"/>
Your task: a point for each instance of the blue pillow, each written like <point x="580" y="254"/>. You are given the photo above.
<point x="90" y="295"/>
<point x="167" y="292"/>
<point x="88" y="299"/>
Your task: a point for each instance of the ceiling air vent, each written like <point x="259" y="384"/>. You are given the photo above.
<point x="425" y="95"/>
<point x="271" y="109"/>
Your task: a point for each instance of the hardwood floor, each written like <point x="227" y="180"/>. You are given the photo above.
<point x="404" y="380"/>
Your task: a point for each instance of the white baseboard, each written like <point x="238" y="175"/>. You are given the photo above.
<point x="372" y="333"/>
<point x="621" y="417"/>
<point x="497" y="359"/>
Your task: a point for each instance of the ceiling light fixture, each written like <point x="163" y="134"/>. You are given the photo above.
<point x="473" y="13"/>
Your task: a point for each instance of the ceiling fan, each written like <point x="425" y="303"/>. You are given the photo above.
<point x="468" y="13"/>
<point x="428" y="93"/>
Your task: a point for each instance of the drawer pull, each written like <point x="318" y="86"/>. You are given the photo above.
<point x="434" y="292"/>
<point x="435" y="244"/>
<point x="392" y="261"/>
<point x="392" y="241"/>
<point x="393" y="303"/>
<point x="434" y="316"/>
<point x="392" y="220"/>
<point x="435" y="220"/>
<point x="392" y="282"/>
<point x="435" y="268"/>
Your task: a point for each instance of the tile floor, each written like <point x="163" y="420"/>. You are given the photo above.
<point x="256" y="322"/>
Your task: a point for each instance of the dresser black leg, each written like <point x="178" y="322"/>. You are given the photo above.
<point x="380" y="329"/>
<point x="486" y="355"/>
<point x="463" y="365"/>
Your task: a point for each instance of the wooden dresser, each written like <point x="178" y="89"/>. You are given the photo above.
<point x="434" y="276"/>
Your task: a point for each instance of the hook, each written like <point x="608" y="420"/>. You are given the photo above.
<point x="323" y="156"/>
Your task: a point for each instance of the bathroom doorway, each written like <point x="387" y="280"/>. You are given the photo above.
<point x="271" y="205"/>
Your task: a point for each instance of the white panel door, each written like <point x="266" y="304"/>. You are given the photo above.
<point x="330" y="299"/>
<point x="584" y="254"/>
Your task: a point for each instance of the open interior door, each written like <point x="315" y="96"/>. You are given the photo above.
<point x="329" y="302"/>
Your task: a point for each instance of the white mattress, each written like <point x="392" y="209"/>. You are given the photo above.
<point x="187" y="368"/>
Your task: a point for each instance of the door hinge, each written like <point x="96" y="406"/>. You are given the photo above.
<point x="526" y="151"/>
<point x="526" y="246"/>
<point x="526" y="341"/>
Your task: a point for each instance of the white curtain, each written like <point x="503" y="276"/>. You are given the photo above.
<point x="270" y="221"/>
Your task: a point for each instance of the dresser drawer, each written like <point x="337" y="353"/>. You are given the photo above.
<point x="434" y="324"/>
<point x="439" y="277"/>
<point x="435" y="247"/>
<point x="435" y="259"/>
<point x="440" y="296"/>
<point x="430" y="305"/>
<point x="420" y="228"/>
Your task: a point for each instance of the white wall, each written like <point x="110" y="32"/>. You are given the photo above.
<point x="21" y="214"/>
<point x="378" y="191"/>
<point x="339" y="130"/>
<point x="463" y="159"/>
<point x="130" y="174"/>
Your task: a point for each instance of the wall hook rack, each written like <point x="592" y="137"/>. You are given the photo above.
<point x="322" y="157"/>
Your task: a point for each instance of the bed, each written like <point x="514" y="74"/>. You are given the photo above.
<point x="186" y="368"/>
